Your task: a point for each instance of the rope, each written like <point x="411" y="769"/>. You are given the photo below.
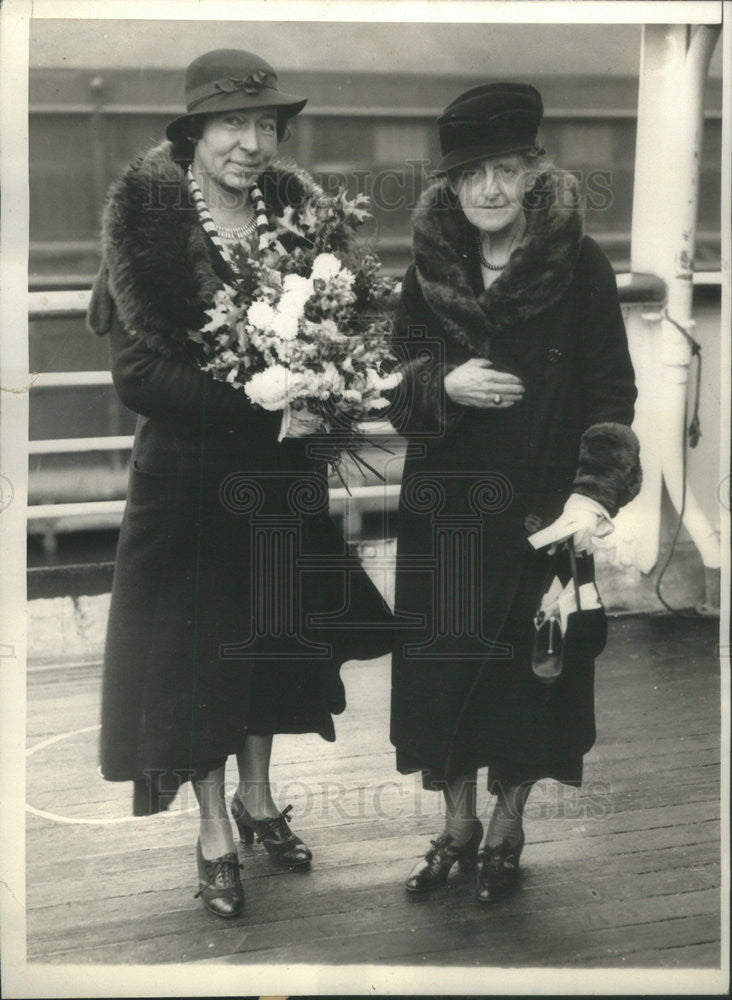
<point x="694" y="430"/>
<point x="691" y="440"/>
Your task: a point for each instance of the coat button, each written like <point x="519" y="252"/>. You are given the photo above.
<point x="532" y="523"/>
<point x="554" y="355"/>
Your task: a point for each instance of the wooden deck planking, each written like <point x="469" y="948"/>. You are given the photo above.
<point x="635" y="884"/>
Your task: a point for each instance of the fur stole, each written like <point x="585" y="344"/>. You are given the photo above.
<point x="158" y="263"/>
<point x="536" y="276"/>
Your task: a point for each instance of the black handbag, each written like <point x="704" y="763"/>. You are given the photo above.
<point x="557" y="650"/>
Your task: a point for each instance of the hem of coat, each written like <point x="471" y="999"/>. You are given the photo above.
<point x="502" y="773"/>
<point x="150" y="798"/>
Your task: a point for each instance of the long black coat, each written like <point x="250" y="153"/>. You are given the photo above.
<point x="478" y="481"/>
<point x="235" y="598"/>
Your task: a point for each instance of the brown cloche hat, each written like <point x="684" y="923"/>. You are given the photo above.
<point x="230" y="80"/>
<point x="492" y="119"/>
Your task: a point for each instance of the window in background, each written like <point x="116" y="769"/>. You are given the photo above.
<point x="397" y="142"/>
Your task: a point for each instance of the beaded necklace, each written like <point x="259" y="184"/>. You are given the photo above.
<point x="238" y="232"/>
<point x="484" y="262"/>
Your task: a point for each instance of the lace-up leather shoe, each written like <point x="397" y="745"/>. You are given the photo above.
<point x="435" y="868"/>
<point x="498" y="870"/>
<point x="284" y="847"/>
<point x="219" y="884"/>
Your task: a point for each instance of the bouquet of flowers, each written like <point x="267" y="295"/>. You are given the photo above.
<point x="309" y="328"/>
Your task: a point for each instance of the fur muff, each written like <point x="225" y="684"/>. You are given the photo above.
<point x="153" y="245"/>
<point x="537" y="275"/>
<point x="608" y="468"/>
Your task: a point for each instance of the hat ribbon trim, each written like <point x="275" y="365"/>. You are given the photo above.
<point x="253" y="84"/>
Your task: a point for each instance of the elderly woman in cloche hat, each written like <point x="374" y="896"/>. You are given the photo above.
<point x="191" y="674"/>
<point x="517" y="402"/>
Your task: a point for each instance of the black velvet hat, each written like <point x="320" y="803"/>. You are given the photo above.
<point x="493" y="119"/>
<point x="231" y="80"/>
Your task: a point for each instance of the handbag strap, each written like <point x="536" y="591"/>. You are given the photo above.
<point x="575" y="576"/>
<point x="553" y="570"/>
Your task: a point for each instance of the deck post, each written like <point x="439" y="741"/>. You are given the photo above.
<point x="673" y="70"/>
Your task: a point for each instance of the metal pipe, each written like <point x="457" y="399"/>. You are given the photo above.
<point x="342" y="111"/>
<point x="75" y="446"/>
<point x="59" y="380"/>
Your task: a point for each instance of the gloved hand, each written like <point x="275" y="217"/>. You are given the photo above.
<point x="583" y="519"/>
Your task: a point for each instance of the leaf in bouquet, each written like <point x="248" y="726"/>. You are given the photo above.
<point x="355" y="210"/>
<point x="218" y="317"/>
<point x="242" y="338"/>
<point x="308" y="218"/>
<point x="242" y="261"/>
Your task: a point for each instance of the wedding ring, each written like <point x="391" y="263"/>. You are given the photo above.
<point x="497" y="398"/>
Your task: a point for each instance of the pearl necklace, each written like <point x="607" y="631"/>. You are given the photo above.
<point x="484" y="262"/>
<point x="237" y="232"/>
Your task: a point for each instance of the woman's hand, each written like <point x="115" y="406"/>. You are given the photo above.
<point x="583" y="519"/>
<point x="299" y="423"/>
<point x="478" y="383"/>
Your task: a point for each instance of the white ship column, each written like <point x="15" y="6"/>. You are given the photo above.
<point x="673" y="70"/>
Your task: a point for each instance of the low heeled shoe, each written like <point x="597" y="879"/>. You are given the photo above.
<point x="219" y="884"/>
<point x="498" y="870"/>
<point x="436" y="867"/>
<point x="284" y="847"/>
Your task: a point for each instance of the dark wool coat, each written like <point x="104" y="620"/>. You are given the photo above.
<point x="235" y="598"/>
<point x="478" y="481"/>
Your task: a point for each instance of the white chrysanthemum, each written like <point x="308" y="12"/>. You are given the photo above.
<point x="284" y="325"/>
<point x="327" y="329"/>
<point x="344" y="280"/>
<point x="310" y="383"/>
<point x="274" y="387"/>
<point x="286" y="350"/>
<point x="296" y="289"/>
<point x="379" y="403"/>
<point x="383" y="382"/>
<point x="325" y="266"/>
<point x="260" y="314"/>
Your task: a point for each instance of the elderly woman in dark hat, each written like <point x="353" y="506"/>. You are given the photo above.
<point x="211" y="644"/>
<point x="517" y="402"/>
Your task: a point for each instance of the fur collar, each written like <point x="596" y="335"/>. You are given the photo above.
<point x="160" y="266"/>
<point x="537" y="275"/>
